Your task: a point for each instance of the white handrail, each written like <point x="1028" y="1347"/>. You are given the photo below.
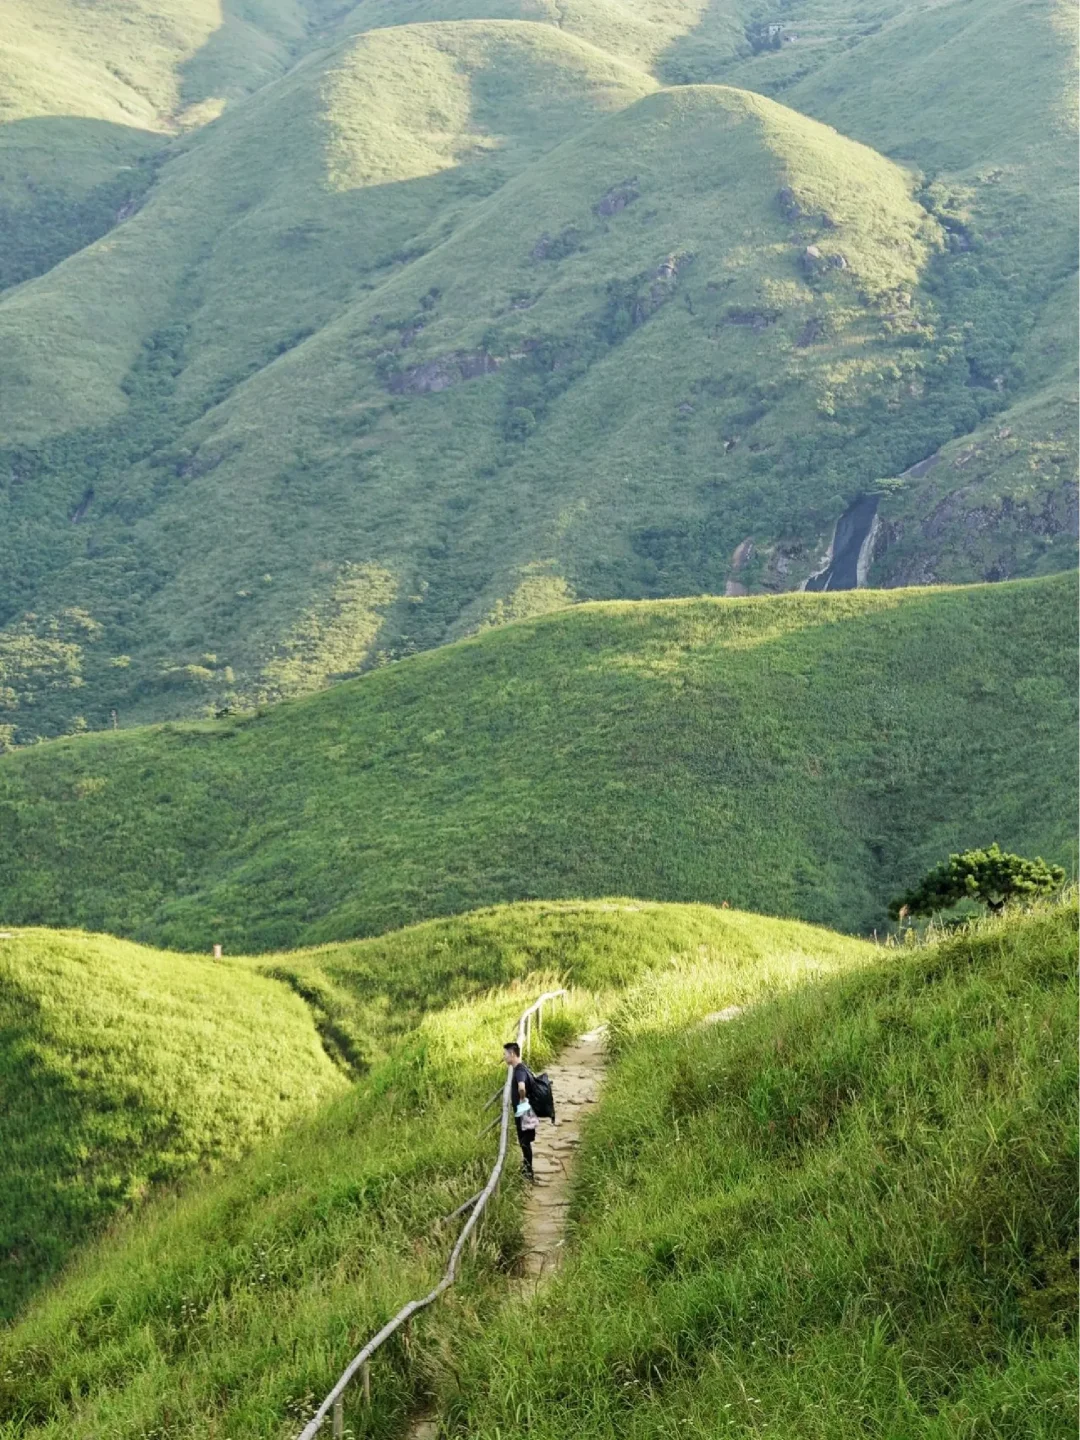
<point x="361" y="1358"/>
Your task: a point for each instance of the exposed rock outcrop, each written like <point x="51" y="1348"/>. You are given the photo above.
<point x="442" y="372"/>
<point x="617" y="198"/>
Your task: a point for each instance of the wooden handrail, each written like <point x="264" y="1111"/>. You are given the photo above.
<point x="359" y="1362"/>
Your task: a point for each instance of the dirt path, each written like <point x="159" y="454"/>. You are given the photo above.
<point x="576" y="1078"/>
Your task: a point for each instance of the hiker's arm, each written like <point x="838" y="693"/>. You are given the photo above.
<point x="521" y="1090"/>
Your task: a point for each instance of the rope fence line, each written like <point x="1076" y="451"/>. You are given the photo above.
<point x="361" y="1362"/>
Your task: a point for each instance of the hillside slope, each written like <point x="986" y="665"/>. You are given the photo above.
<point x="805" y="755"/>
<point x="131" y="1068"/>
<point x="857" y="1200"/>
<point x="421" y="333"/>
<point x="850" y="1212"/>
<point x="229" y="1305"/>
<point x="136" y="1068"/>
<point x="90" y="98"/>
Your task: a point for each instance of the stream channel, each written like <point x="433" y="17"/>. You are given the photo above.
<point x="852" y="542"/>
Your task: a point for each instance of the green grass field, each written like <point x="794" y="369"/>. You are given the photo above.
<point x="136" y="1068"/>
<point x="808" y="755"/>
<point x="461" y="309"/>
<point x="226" y="1306"/>
<point x="850" y="1212"/>
<point x="857" y="1200"/>
<point x="131" y="1068"/>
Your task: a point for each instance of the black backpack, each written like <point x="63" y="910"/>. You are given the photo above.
<point x="541" y="1097"/>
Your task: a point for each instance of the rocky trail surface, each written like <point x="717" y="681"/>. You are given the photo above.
<point x="576" y="1079"/>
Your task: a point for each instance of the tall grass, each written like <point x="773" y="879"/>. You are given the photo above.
<point x="849" y="1212"/>
<point x="228" y="1308"/>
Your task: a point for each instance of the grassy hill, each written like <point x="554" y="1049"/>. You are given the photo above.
<point x="851" y="1212"/>
<point x="91" y="96"/>
<point x="870" y="1175"/>
<point x="270" y="1270"/>
<point x="806" y="755"/>
<point x="455" y="314"/>
<point x="136" y="1067"/>
<point x="131" y="1067"/>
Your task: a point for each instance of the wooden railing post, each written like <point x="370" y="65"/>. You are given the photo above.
<point x="339" y="1419"/>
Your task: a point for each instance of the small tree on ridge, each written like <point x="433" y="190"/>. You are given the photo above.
<point x="991" y="876"/>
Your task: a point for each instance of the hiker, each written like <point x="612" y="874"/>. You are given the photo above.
<point x="525" y="1121"/>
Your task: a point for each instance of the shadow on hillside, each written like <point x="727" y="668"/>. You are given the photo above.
<point x="223" y="68"/>
<point x="47" y="1210"/>
<point x="95" y="172"/>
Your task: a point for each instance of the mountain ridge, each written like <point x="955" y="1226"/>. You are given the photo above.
<point x="774" y="752"/>
<point x="242" y="431"/>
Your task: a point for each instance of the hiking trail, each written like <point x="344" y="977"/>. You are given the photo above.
<point x="576" y="1077"/>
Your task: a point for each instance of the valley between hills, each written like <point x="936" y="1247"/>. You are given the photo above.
<point x="335" y="332"/>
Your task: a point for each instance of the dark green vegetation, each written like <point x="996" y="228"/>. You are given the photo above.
<point x="805" y="755"/>
<point x="849" y="1213"/>
<point x="227" y="1308"/>
<point x="990" y="877"/>
<point x="461" y="317"/>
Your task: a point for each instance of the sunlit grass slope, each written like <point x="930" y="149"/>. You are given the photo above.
<point x="91" y="94"/>
<point x="228" y="1309"/>
<point x="804" y="755"/>
<point x="624" y="339"/>
<point x="641" y="32"/>
<point x="134" y="1067"/>
<point x="123" y="1068"/>
<point x="382" y="353"/>
<point x="265" y="225"/>
<point x="850" y="1212"/>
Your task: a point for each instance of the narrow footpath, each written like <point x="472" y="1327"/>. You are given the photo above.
<point x="576" y="1078"/>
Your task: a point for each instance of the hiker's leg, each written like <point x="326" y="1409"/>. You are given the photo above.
<point x="525" y="1140"/>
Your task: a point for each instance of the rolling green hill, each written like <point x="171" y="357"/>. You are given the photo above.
<point x="805" y="755"/>
<point x="136" y="1067"/>
<point x="91" y="96"/>
<point x="851" y="1212"/>
<point x="459" y="311"/>
<point x="869" y="1174"/>
<point x="131" y="1067"/>
<point x="230" y="1302"/>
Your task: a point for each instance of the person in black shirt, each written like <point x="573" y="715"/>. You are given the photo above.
<point x="519" y="1094"/>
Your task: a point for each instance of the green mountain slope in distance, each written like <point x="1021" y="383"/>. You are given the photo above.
<point x="420" y="334"/>
<point x="90" y="97"/>
<point x="805" y="755"/>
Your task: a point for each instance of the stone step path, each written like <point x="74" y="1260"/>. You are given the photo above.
<point x="576" y="1078"/>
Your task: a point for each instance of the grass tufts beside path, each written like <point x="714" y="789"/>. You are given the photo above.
<point x="849" y="1212"/>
